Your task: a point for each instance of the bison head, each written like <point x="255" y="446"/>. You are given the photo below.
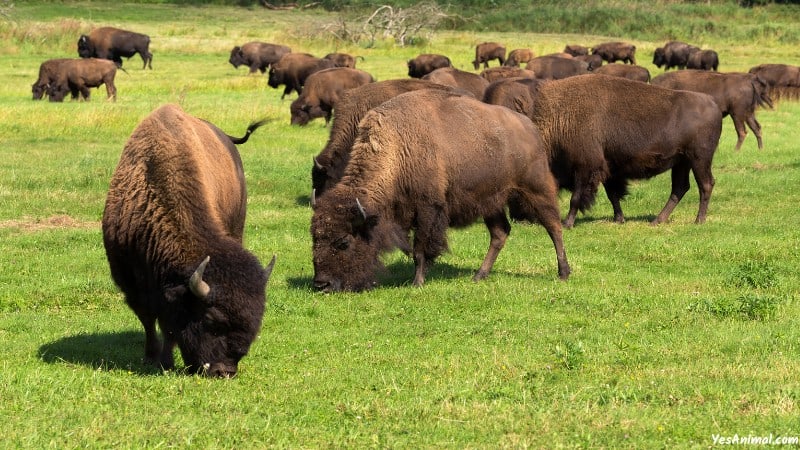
<point x="214" y="318"/>
<point x="85" y="47"/>
<point x="275" y="77"/>
<point x="659" y="57"/>
<point x="345" y="250"/>
<point x="38" y="90"/>
<point x="237" y="57"/>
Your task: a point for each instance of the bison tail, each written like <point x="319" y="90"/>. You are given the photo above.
<point x="252" y="127"/>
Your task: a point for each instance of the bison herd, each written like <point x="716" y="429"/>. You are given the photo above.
<point x="496" y="145"/>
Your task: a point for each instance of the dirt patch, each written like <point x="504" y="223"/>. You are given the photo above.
<point x="61" y="221"/>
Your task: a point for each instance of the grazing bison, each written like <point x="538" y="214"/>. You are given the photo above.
<point x="257" y="55"/>
<point x="293" y="69"/>
<point x="576" y="50"/>
<point x="343" y="59"/>
<point x="488" y="51"/>
<point x="629" y="71"/>
<point x="593" y="61"/>
<point x="616" y="51"/>
<point x="172" y="229"/>
<point x="556" y="67"/>
<point x="468" y="81"/>
<point x="673" y="54"/>
<point x="497" y="73"/>
<point x="603" y="129"/>
<point x="518" y="56"/>
<point x="737" y="94"/>
<point x="420" y="172"/>
<point x="323" y="90"/>
<point x="76" y="76"/>
<point x="329" y="164"/>
<point x="113" y="43"/>
<point x="703" y="60"/>
<point x="783" y="79"/>
<point x="426" y="63"/>
<point x="48" y="73"/>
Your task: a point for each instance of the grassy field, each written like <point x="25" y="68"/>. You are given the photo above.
<point x="663" y="336"/>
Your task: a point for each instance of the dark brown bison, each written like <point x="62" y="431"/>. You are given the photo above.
<point x="293" y="69"/>
<point x="323" y="90"/>
<point x="426" y="63"/>
<point x="673" y="54"/>
<point x="616" y="51"/>
<point x="488" y="51"/>
<point x="468" y="81"/>
<point x="576" y="50"/>
<point x="703" y="60"/>
<point x="329" y="164"/>
<point x="76" y="76"/>
<point x="593" y="61"/>
<point x="629" y="71"/>
<point x="518" y="56"/>
<point x="48" y="73"/>
<point x="556" y="67"/>
<point x="783" y="79"/>
<point x="343" y="59"/>
<point x="737" y="94"/>
<point x="172" y="229"/>
<point x="420" y="172"/>
<point x="496" y="73"/>
<point x="603" y="129"/>
<point x="113" y="43"/>
<point x="257" y="55"/>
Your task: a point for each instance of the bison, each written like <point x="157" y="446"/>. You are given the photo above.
<point x="488" y="51"/>
<point x="343" y="59"/>
<point x="673" y="54"/>
<point x="323" y="90"/>
<point x="556" y="67"/>
<point x="736" y="94"/>
<point x="576" y="50"/>
<point x="293" y="69"/>
<point x="703" y="60"/>
<point x="113" y="43"/>
<point x="616" y="51"/>
<point x="629" y="71"/>
<point x="421" y="172"/>
<point x="78" y="75"/>
<point x="258" y="56"/>
<point x="48" y="73"/>
<point x="172" y="229"/>
<point x="329" y="164"/>
<point x="518" y="56"/>
<point x="783" y="79"/>
<point x="603" y="129"/>
<point x="593" y="61"/>
<point x="468" y="81"/>
<point x="496" y="73"/>
<point x="426" y="63"/>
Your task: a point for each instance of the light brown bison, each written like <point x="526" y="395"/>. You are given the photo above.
<point x="616" y="51"/>
<point x="468" y="81"/>
<point x="496" y="73"/>
<point x="576" y="50"/>
<point x="593" y="61"/>
<point x="518" y="56"/>
<point x="426" y="63"/>
<point x="783" y="79"/>
<point x="172" y="229"/>
<point x="603" y="129"/>
<point x="48" y="73"/>
<point x="420" y="172"/>
<point x="113" y="43"/>
<point x="556" y="67"/>
<point x="293" y="69"/>
<point x="329" y="164"/>
<point x="673" y="54"/>
<point x="78" y="75"/>
<point x="488" y="51"/>
<point x="736" y="94"/>
<point x="323" y="90"/>
<point x="258" y="56"/>
<point x="629" y="71"/>
<point x="703" y="60"/>
<point x="343" y="59"/>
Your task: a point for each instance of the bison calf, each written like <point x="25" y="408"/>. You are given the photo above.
<point x="78" y="75"/>
<point x="48" y="74"/>
<point x="421" y="172"/>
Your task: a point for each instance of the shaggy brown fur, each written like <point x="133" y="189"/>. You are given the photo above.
<point x="555" y="67"/>
<point x="323" y="90"/>
<point x="468" y="81"/>
<point x="293" y="69"/>
<point x="488" y="51"/>
<point x="703" y="60"/>
<point x="616" y="51"/>
<point x="629" y="71"/>
<point x="343" y="59"/>
<point x="78" y="75"/>
<point x="48" y="73"/>
<point x="258" y="56"/>
<point x="519" y="56"/>
<point x="496" y="73"/>
<point x="113" y="43"/>
<point x="426" y="63"/>
<point x="783" y="80"/>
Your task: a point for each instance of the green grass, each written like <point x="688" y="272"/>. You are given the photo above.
<point x="662" y="337"/>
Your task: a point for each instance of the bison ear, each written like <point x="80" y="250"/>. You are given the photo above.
<point x="200" y="288"/>
<point x="363" y="222"/>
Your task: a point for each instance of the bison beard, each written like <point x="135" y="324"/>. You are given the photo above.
<point x="419" y="173"/>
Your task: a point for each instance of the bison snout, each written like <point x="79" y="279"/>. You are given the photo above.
<point x="326" y="285"/>
<point x="219" y="370"/>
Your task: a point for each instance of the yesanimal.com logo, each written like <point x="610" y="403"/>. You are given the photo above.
<point x="750" y="439"/>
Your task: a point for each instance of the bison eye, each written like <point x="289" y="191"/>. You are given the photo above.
<point x="342" y="243"/>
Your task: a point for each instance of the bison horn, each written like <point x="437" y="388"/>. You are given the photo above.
<point x="313" y="198"/>
<point x="199" y="287"/>
<point x="361" y="209"/>
<point x="317" y="164"/>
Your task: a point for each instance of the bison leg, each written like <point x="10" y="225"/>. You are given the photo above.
<point x="705" y="184"/>
<point x="430" y="240"/>
<point x="545" y="209"/>
<point x="756" y="127"/>
<point x="583" y="196"/>
<point x="111" y="90"/>
<point x="616" y="189"/>
<point x="152" y="345"/>
<point x="680" y="185"/>
<point x="499" y="228"/>
<point x="741" y="131"/>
